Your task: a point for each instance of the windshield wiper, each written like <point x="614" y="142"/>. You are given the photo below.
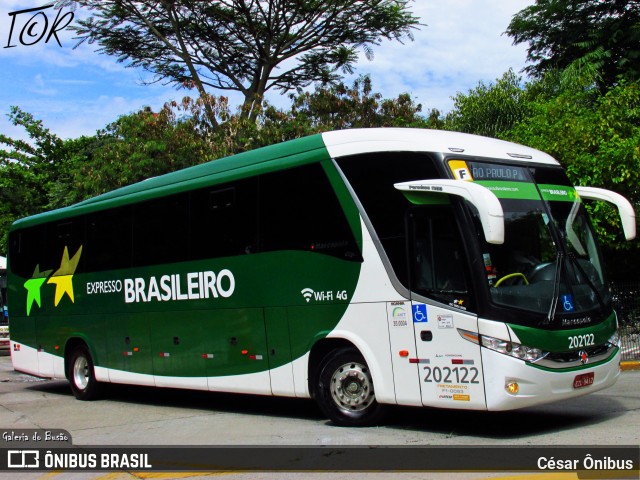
<point x="556" y="287"/>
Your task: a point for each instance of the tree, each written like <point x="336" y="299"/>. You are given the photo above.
<point x="249" y="46"/>
<point x="489" y="110"/>
<point x="599" y="34"/>
<point x="339" y="106"/>
<point x="142" y="145"/>
<point x="28" y="170"/>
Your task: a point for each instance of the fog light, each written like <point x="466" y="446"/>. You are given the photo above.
<point x="513" y="388"/>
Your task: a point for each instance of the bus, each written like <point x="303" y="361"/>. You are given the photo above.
<point x="4" y="313"/>
<point x="362" y="268"/>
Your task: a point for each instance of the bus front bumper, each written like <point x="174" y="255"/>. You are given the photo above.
<point x="514" y="383"/>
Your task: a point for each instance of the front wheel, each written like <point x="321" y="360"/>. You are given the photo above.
<point x="81" y="375"/>
<point x="345" y="390"/>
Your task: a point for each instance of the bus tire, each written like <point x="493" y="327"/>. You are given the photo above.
<point x="345" y="390"/>
<point x="81" y="374"/>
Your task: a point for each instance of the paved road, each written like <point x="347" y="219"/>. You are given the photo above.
<point x="147" y="416"/>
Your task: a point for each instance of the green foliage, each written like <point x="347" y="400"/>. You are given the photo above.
<point x="489" y="110"/>
<point x="339" y="107"/>
<point x="27" y="170"/>
<point x="602" y="36"/>
<point x="138" y="146"/>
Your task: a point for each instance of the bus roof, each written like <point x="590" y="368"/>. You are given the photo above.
<point x="349" y="142"/>
<point x="297" y="152"/>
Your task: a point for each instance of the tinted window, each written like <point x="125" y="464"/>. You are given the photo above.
<point x="67" y="234"/>
<point x="161" y="230"/>
<point x="25" y="250"/>
<point x="224" y="220"/>
<point x="295" y="209"/>
<point x="300" y="211"/>
<point x="372" y="177"/>
<point x="108" y="240"/>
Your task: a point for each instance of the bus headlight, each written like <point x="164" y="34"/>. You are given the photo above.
<point x="614" y="340"/>
<point x="513" y="349"/>
<point x="506" y="347"/>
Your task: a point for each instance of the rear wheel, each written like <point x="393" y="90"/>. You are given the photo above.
<point x="81" y="375"/>
<point x="345" y="390"/>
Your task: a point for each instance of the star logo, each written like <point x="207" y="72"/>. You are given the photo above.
<point x="62" y="278"/>
<point x="33" y="286"/>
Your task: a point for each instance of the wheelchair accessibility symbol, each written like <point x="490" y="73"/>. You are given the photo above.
<point x="419" y="313"/>
<point x="567" y="303"/>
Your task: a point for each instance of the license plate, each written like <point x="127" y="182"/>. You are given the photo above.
<point x="583" y="380"/>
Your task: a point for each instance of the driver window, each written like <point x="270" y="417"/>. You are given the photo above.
<point x="436" y="256"/>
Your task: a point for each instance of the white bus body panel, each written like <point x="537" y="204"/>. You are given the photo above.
<point x="451" y="370"/>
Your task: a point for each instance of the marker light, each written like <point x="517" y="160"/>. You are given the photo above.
<point x="404" y="353"/>
<point x="471" y="336"/>
<point x="512" y="387"/>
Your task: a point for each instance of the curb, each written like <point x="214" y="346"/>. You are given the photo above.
<point x="630" y="365"/>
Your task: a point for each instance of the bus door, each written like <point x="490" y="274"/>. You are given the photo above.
<point x="449" y="366"/>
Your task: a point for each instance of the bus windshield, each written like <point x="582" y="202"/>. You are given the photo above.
<point x="550" y="261"/>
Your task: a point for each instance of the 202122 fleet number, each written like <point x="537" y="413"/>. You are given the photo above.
<point x="580" y="341"/>
<point x="462" y="375"/>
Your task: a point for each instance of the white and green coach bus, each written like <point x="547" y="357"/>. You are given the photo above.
<point x="362" y="268"/>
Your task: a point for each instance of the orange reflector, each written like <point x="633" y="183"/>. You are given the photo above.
<point x="244" y="352"/>
<point x="513" y="388"/>
<point x="136" y="349"/>
<point x="404" y="353"/>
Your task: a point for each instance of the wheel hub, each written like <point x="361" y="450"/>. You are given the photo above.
<point x="351" y="387"/>
<point x="81" y="373"/>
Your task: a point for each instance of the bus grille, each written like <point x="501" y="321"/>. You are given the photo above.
<point x="575" y="358"/>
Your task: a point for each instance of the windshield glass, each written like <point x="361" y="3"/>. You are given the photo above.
<point x="549" y="262"/>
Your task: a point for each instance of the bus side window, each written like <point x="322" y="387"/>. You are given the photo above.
<point x="300" y="211"/>
<point x="224" y="220"/>
<point x="67" y="234"/>
<point x="108" y="240"/>
<point x="161" y="230"/>
<point x="25" y="250"/>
